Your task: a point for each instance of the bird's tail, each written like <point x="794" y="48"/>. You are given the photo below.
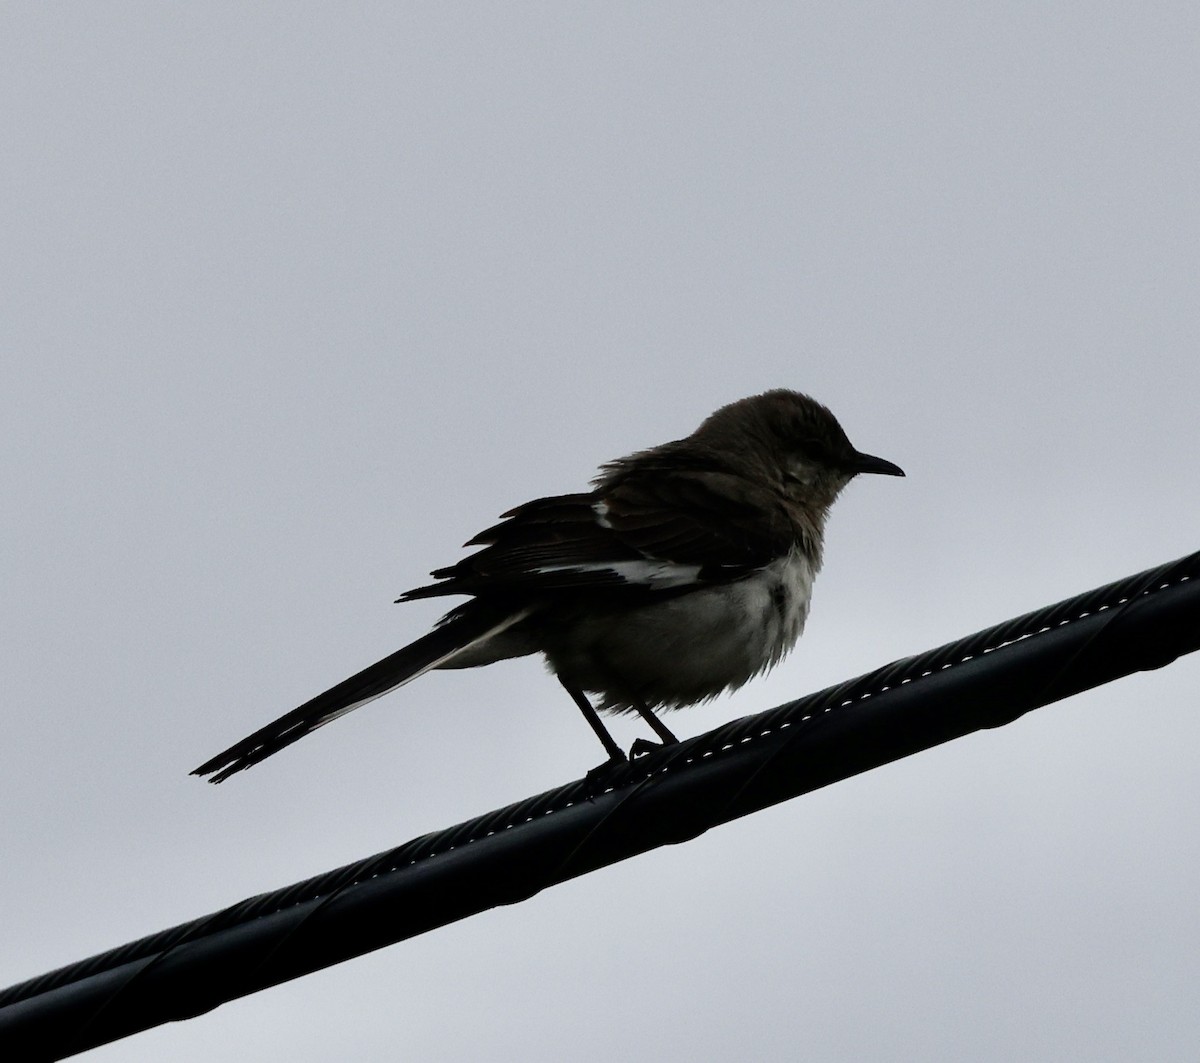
<point x="462" y="630"/>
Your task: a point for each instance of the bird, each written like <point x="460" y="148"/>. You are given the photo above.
<point x="685" y="571"/>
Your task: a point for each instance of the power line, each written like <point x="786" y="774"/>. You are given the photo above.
<point x="506" y="856"/>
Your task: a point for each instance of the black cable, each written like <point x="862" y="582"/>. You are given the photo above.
<point x="505" y="856"/>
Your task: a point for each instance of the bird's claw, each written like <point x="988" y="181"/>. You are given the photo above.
<point x="600" y="775"/>
<point x="644" y="747"/>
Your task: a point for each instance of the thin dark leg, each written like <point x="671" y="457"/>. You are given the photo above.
<point x="655" y="723"/>
<point x="589" y="713"/>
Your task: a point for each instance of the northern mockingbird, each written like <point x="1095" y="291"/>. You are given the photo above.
<point x="684" y="572"/>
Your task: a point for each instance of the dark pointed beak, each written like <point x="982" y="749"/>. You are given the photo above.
<point x="869" y="463"/>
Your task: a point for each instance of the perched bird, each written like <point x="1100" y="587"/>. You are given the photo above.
<point x="684" y="572"/>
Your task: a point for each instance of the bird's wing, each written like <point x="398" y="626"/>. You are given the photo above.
<point x="637" y="534"/>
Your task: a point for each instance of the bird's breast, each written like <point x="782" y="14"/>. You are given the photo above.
<point x="689" y="647"/>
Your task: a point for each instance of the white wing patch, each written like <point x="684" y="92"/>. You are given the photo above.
<point x="657" y="575"/>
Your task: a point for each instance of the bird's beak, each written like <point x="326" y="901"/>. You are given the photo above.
<point x="869" y="463"/>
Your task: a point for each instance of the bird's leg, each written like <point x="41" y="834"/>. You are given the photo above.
<point x="621" y="690"/>
<point x="643" y="745"/>
<point x="656" y="725"/>
<point x="615" y="754"/>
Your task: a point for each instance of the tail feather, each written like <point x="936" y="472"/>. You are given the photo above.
<point x="462" y="631"/>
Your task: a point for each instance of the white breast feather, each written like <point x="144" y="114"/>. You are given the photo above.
<point x="691" y="647"/>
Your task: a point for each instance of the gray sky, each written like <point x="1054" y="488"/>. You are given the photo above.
<point x="296" y="298"/>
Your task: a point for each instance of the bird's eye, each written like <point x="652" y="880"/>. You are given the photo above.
<point x="799" y="471"/>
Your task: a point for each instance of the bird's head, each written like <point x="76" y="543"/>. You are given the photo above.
<point x="798" y="442"/>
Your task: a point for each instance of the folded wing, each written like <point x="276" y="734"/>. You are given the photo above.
<point x="661" y="534"/>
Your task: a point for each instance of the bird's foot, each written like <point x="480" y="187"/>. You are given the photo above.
<point x="600" y="775"/>
<point x="643" y="747"/>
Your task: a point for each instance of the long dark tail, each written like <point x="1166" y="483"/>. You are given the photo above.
<point x="465" y="628"/>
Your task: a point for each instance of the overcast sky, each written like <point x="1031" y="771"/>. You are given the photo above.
<point x="296" y="298"/>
